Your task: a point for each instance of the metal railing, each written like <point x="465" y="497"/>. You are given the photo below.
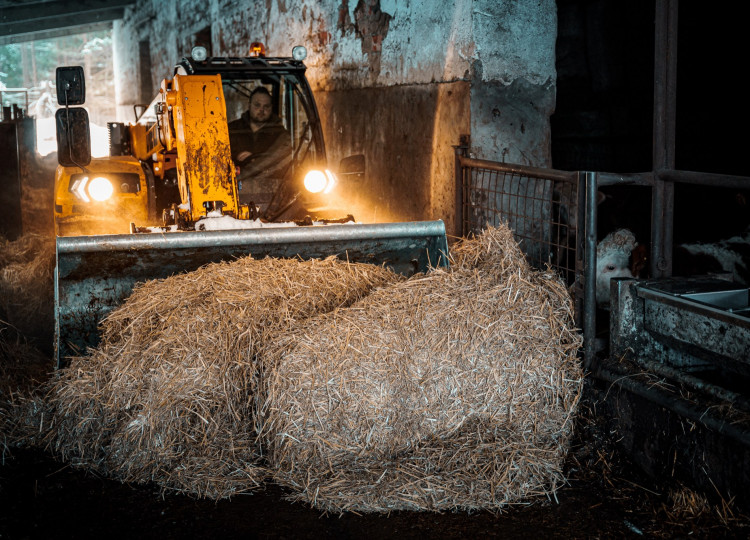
<point x="553" y="216"/>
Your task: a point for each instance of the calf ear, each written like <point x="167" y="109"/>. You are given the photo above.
<point x="601" y="197"/>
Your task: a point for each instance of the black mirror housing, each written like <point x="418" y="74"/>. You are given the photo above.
<point x="71" y="86"/>
<point x="73" y="138"/>
<point x="352" y="165"/>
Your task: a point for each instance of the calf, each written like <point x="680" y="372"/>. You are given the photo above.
<point x="730" y="256"/>
<point x="613" y="261"/>
<point x="619" y="255"/>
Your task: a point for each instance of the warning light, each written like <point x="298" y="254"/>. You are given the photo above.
<point x="257" y="49"/>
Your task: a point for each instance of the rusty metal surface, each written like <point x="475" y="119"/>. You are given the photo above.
<point x="94" y="274"/>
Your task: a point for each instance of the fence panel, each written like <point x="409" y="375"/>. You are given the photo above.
<point x="543" y="208"/>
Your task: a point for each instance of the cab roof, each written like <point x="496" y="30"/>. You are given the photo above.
<point x="241" y="67"/>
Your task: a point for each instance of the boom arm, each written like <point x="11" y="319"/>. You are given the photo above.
<point x="192" y="122"/>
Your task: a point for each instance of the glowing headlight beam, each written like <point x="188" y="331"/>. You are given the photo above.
<point x="318" y="181"/>
<point x="315" y="181"/>
<point x="101" y="189"/>
<point x="79" y="189"/>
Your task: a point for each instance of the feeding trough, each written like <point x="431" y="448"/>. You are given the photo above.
<point x="679" y="375"/>
<point x="696" y="326"/>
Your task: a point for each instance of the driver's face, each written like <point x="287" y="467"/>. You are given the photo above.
<point x="260" y="108"/>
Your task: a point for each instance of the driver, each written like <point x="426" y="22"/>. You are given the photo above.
<point x="259" y="141"/>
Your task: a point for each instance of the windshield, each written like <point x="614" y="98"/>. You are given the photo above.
<point x="271" y="134"/>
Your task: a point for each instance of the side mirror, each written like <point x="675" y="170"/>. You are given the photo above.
<point x="352" y="167"/>
<point x="71" y="87"/>
<point x="73" y="139"/>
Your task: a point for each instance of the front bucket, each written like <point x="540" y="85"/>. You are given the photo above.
<point x="95" y="274"/>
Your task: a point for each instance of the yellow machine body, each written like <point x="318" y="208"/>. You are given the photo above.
<point x="152" y="203"/>
<point x="77" y="212"/>
<point x="190" y="136"/>
<point x="197" y="130"/>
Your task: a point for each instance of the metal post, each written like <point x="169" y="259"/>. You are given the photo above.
<point x="459" y="151"/>
<point x="665" y="90"/>
<point x="589" y="180"/>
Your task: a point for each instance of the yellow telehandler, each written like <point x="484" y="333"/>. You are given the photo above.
<point x="175" y="193"/>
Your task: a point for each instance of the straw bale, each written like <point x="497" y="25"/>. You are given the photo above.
<point x="26" y="291"/>
<point x="168" y="395"/>
<point x="452" y="390"/>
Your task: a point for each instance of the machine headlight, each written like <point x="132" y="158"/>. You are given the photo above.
<point x="299" y="53"/>
<point x="320" y="181"/>
<point x="199" y="54"/>
<point x="101" y="189"/>
<point x="315" y="181"/>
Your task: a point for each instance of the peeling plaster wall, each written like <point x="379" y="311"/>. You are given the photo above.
<point x="397" y="80"/>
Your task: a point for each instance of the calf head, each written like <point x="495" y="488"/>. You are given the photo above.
<point x="613" y="261"/>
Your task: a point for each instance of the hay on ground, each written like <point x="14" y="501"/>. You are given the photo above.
<point x="168" y="395"/>
<point x="26" y="284"/>
<point x="452" y="390"/>
<point x="23" y="371"/>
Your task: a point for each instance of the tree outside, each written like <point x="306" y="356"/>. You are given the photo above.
<point x="29" y="70"/>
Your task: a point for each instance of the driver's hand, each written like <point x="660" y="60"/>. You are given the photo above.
<point x="242" y="156"/>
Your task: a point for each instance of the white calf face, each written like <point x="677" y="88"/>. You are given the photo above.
<point x="612" y="265"/>
<point x="613" y="261"/>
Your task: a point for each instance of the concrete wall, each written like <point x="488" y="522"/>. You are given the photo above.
<point x="397" y="80"/>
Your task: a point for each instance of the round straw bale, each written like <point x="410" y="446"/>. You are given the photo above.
<point x="452" y="390"/>
<point x="494" y="252"/>
<point x="168" y="395"/>
<point x="26" y="291"/>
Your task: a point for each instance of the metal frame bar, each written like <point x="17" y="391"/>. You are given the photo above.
<point x="589" y="180"/>
<point x="661" y="179"/>
<point x="665" y="107"/>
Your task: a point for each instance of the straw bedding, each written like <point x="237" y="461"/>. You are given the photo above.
<point x="26" y="321"/>
<point x="452" y="390"/>
<point x="168" y="395"/>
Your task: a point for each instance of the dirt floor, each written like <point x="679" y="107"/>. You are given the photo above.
<point x="606" y="498"/>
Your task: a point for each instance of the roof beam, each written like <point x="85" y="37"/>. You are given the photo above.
<point x="37" y="20"/>
<point x="56" y="33"/>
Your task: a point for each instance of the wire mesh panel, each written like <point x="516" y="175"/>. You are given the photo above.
<point x="540" y="206"/>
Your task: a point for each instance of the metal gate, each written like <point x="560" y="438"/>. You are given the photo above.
<point x="545" y="209"/>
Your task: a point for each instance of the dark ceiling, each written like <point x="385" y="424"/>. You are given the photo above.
<point x="31" y="20"/>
